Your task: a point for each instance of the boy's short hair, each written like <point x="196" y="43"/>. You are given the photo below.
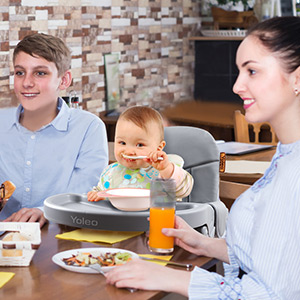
<point x="49" y="47"/>
<point x="141" y="116"/>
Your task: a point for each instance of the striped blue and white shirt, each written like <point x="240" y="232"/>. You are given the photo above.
<point x="263" y="238"/>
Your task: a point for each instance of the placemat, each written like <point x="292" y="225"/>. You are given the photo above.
<point x="5" y="277"/>
<point x="96" y="236"/>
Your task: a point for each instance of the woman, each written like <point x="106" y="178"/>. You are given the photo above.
<point x="261" y="249"/>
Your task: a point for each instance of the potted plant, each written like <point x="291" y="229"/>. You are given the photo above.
<point x="229" y="5"/>
<point x="231" y="14"/>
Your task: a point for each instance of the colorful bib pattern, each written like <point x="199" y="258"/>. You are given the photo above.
<point x="117" y="176"/>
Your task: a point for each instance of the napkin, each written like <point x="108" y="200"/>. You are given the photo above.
<point x="5" y="277"/>
<point x="165" y="257"/>
<point x="246" y="166"/>
<point x="94" y="236"/>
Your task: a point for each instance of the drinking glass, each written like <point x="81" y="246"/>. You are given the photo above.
<point x="162" y="214"/>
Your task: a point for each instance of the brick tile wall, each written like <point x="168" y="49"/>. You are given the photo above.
<point x="151" y="36"/>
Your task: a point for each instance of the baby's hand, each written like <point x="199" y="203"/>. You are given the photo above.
<point x="93" y="196"/>
<point x="165" y="167"/>
<point x="152" y="159"/>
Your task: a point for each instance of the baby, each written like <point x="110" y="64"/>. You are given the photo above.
<point x="140" y="132"/>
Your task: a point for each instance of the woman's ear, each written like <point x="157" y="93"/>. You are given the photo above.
<point x="161" y="146"/>
<point x="66" y="80"/>
<point x="297" y="77"/>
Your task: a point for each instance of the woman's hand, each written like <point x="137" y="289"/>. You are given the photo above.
<point x="188" y="238"/>
<point x="28" y="215"/>
<point x="193" y="241"/>
<point x="144" y="275"/>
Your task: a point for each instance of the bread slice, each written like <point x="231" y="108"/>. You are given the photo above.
<point x="15" y="237"/>
<point x="12" y="252"/>
<point x="10" y="237"/>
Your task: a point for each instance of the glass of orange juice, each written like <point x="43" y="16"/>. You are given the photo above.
<point x="162" y="214"/>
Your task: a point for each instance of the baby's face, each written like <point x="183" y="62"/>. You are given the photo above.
<point x="132" y="140"/>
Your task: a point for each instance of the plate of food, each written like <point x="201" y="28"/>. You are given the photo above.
<point x="78" y="260"/>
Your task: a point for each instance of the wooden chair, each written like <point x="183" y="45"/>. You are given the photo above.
<point x="263" y="132"/>
<point x="229" y="191"/>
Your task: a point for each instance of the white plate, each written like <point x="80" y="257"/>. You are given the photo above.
<point x="58" y="258"/>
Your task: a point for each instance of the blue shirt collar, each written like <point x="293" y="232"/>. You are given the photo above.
<point x="60" y="122"/>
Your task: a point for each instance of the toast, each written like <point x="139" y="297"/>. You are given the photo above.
<point x="13" y="236"/>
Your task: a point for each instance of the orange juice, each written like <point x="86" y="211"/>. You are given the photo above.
<point x="161" y="217"/>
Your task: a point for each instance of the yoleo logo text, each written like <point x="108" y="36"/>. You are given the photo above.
<point x="84" y="221"/>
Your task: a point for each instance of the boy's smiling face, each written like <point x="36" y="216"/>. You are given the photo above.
<point x="36" y="82"/>
<point x="133" y="140"/>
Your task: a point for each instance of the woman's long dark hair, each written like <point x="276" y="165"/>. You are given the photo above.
<point x="280" y="35"/>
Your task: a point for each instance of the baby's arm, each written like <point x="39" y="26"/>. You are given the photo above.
<point x="93" y="196"/>
<point x="184" y="182"/>
<point x="167" y="169"/>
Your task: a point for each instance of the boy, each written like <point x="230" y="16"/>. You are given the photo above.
<point x="49" y="148"/>
<point x="140" y="132"/>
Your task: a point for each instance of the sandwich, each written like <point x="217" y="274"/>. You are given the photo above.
<point x="13" y="237"/>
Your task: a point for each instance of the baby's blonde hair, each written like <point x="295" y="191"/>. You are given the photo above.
<point x="141" y="116"/>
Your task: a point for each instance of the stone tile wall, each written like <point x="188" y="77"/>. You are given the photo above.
<point x="151" y="37"/>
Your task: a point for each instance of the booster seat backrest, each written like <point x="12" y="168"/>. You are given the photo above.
<point x="201" y="157"/>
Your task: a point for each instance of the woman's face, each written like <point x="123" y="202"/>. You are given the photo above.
<point x="266" y="89"/>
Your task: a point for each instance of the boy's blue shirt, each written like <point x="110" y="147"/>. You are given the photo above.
<point x="64" y="156"/>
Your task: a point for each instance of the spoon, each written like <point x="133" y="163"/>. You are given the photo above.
<point x="139" y="157"/>
<point x="98" y="268"/>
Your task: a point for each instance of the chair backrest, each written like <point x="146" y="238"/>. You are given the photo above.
<point x="201" y="158"/>
<point x="229" y="191"/>
<point x="242" y="131"/>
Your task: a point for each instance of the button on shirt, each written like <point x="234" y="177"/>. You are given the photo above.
<point x="65" y="156"/>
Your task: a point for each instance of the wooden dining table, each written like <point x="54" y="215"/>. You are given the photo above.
<point x="248" y="178"/>
<point x="44" y="280"/>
